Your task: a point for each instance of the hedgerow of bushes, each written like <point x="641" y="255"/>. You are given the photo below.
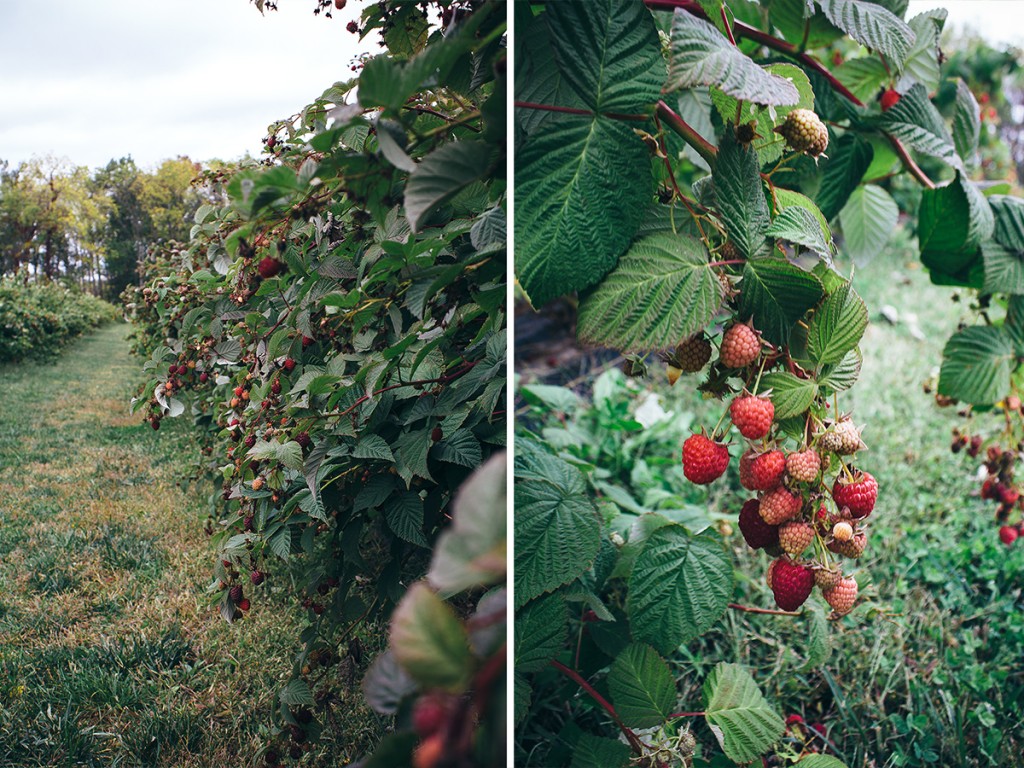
<point x="38" y="318"/>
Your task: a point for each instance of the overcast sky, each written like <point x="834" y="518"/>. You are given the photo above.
<point x="1000" y="22"/>
<point x="94" y="80"/>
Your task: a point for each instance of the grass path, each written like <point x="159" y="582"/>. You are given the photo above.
<point x="109" y="654"/>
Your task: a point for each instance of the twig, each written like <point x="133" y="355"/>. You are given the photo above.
<point x="769" y="611"/>
<point x="688" y="133"/>
<point x="908" y="161"/>
<point x="631" y="737"/>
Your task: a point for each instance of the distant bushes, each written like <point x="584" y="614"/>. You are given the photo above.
<point x="37" y="319"/>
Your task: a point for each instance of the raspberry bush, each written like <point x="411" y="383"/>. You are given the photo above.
<point x="680" y="167"/>
<point x="335" y="328"/>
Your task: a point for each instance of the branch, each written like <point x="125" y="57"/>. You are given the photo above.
<point x="575" y="677"/>
<point x="908" y="161"/>
<point x="769" y="611"/>
<point x="688" y="133"/>
<point x="576" y="111"/>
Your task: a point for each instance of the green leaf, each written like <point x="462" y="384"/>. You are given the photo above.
<point x="798" y="225"/>
<point x="1008" y="214"/>
<point x="392" y="140"/>
<point x="296" y="694"/>
<point x="556" y="398"/>
<point x="679" y="587"/>
<point x="777" y="294"/>
<point x="701" y="55"/>
<point x="372" y="447"/>
<point x="471" y="551"/>
<point x="769" y="148"/>
<point x="1004" y="269"/>
<point x="872" y="26"/>
<point x="976" y="365"/>
<point x="739" y="195"/>
<point x="953" y="221"/>
<point x="662" y="289"/>
<point x="557" y="534"/>
<point x="460" y="447"/>
<point x="917" y="123"/>
<point x="837" y="326"/>
<point x="404" y="515"/>
<point x="289" y="454"/>
<point x="441" y="175"/>
<point x="863" y="76"/>
<point x="790" y="394"/>
<point x="842" y="171"/>
<point x="608" y="53"/>
<point x="641" y="686"/>
<point x="966" y="124"/>
<point x="795" y="20"/>
<point x="1014" y="324"/>
<point x="523" y="695"/>
<point x="571" y="224"/>
<point x="738" y="714"/>
<point x="819" y="647"/>
<point x="922" y="65"/>
<point x="538" y="80"/>
<point x="787" y="198"/>
<point x="381" y="83"/>
<point x="540" y="633"/>
<point x="821" y="761"/>
<point x="430" y="642"/>
<point x="599" y="752"/>
<point x="868" y="220"/>
<point x="842" y="375"/>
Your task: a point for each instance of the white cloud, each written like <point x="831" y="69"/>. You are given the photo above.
<point x="108" y="78"/>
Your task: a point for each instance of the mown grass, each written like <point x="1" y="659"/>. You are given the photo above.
<point x="928" y="670"/>
<point x="109" y="652"/>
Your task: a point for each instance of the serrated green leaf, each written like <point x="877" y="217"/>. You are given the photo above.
<point x="540" y="632"/>
<point x="523" y="695"/>
<point x="848" y="159"/>
<point x="1008" y="215"/>
<point x="821" y="761"/>
<point x="1004" y="269"/>
<point x="787" y="198"/>
<point x="922" y="65"/>
<point x="819" y="646"/>
<point x="599" y="752"/>
<point x="953" y="221"/>
<point x="769" y="148"/>
<point x="404" y="515"/>
<point x="430" y="642"/>
<point x="966" y="124"/>
<point x="976" y="365"/>
<point x="460" y="447"/>
<point x="557" y="534"/>
<point x="798" y="225"/>
<point x="641" y="686"/>
<point x="296" y="694"/>
<point x="538" y="79"/>
<point x="701" y="55"/>
<point x="790" y="395"/>
<point x="739" y="195"/>
<point x="441" y="175"/>
<point x="837" y="326"/>
<point x="1014" y="324"/>
<point x="777" y="294"/>
<point x="796" y="19"/>
<point x="571" y="225"/>
<point x="868" y="220"/>
<point x="842" y="375"/>
<point x="916" y="122"/>
<point x="372" y="447"/>
<point x="872" y="26"/>
<point x="679" y="587"/>
<point x="289" y="454"/>
<point x="863" y="76"/>
<point x="663" y="289"/>
<point x="738" y="714"/>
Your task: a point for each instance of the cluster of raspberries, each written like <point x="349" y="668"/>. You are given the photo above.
<point x="812" y="502"/>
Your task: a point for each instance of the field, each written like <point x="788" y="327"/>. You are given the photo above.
<point x="110" y="654"/>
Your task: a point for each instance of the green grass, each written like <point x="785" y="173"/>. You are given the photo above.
<point x="927" y="670"/>
<point x="109" y="653"/>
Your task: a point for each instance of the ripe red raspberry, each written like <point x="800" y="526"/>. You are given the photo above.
<point x="842" y="596"/>
<point x="858" y="495"/>
<point x="235" y="593"/>
<point x="740" y="346"/>
<point x="791" y="584"/>
<point x="795" y="536"/>
<point x="269" y="267"/>
<point x="803" y="466"/>
<point x="352" y="27"/>
<point x="1007" y="534"/>
<point x="257" y="577"/>
<point x="770" y="573"/>
<point x="889" y="99"/>
<point x="826" y="578"/>
<point x="766" y="470"/>
<point x="1008" y="495"/>
<point x="243" y="604"/>
<point x="752" y="415"/>
<point x="853" y="548"/>
<point x="303" y="439"/>
<point x="704" y="460"/>
<point x="756" y="532"/>
<point x="693" y="353"/>
<point x="289" y="364"/>
<point x="429" y="714"/>
<point x="779" y="506"/>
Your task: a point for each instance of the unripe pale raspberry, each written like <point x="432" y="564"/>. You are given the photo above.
<point x="756" y="532"/>
<point x="804" y="132"/>
<point x="795" y="536"/>
<point x="842" y="531"/>
<point x="853" y="548"/>
<point x="752" y="415"/>
<point x="704" y="460"/>
<point x="842" y="596"/>
<point x="803" y="466"/>
<point x="693" y="354"/>
<point x="843" y="438"/>
<point x="826" y="578"/>
<point x="791" y="584"/>
<point x="779" y="506"/>
<point x="740" y="346"/>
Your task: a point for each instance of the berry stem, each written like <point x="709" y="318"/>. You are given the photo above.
<point x="757" y="381"/>
<point x="768" y="611"/>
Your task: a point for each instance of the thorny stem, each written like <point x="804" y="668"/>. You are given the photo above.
<point x="769" y="611"/>
<point x="631" y="737"/>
